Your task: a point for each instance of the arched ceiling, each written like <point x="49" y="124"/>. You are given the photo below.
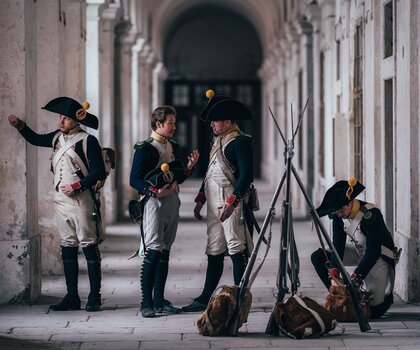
<point x="213" y="43"/>
<point x="159" y="16"/>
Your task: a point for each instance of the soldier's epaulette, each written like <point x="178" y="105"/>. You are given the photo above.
<point x="244" y="137"/>
<point x="143" y="144"/>
<point x="175" y="144"/>
<point x="367" y="214"/>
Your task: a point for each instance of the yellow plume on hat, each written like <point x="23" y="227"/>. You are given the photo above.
<point x="209" y="94"/>
<point x="351" y="182"/>
<point x="85" y="105"/>
<point x="81" y="113"/>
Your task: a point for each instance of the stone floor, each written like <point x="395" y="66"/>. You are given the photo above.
<point x="119" y="325"/>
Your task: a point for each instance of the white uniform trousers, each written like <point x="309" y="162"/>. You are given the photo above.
<point x="232" y="233"/>
<point x="161" y="217"/>
<point x="380" y="279"/>
<point x="74" y="220"/>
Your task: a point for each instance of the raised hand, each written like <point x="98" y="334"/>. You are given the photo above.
<point x="16" y="122"/>
<point x="193" y="158"/>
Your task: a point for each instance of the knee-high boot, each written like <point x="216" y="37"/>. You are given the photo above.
<point x="215" y="264"/>
<point x="147" y="281"/>
<point x="93" y="259"/>
<point x="160" y="304"/>
<point x="318" y="260"/>
<point x="71" y="271"/>
<point x="239" y="261"/>
<point x="160" y="279"/>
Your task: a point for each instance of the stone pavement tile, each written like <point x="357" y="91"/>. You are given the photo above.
<point x="144" y="334"/>
<point x="78" y="329"/>
<point x="109" y="309"/>
<point x="413" y="324"/>
<point x="387" y="325"/>
<point x="29" y="337"/>
<point x="5" y="329"/>
<point x="110" y="345"/>
<point x="14" y="344"/>
<point x="6" y="310"/>
<point x="244" y="341"/>
<point x="59" y="319"/>
<point x="117" y="321"/>
<point x="48" y="331"/>
<point x="330" y="342"/>
<point x="401" y="332"/>
<point x="362" y="340"/>
<point x="381" y="347"/>
<point x="172" y="345"/>
<point x="110" y="336"/>
<point x="179" y="328"/>
<point x="295" y="347"/>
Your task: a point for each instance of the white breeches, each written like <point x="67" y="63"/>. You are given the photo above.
<point x="74" y="220"/>
<point x="160" y="223"/>
<point x="232" y="234"/>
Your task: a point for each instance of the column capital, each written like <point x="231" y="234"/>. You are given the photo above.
<point x="111" y="11"/>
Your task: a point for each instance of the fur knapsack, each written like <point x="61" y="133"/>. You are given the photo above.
<point x="302" y="317"/>
<point x="216" y="319"/>
<point x="339" y="302"/>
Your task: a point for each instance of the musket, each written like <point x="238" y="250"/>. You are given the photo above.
<point x="245" y="280"/>
<point x="282" y="289"/>
<point x="272" y="326"/>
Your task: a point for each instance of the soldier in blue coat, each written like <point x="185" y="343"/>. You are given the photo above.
<point x="77" y="165"/>
<point x="361" y="239"/>
<point x="156" y="174"/>
<point x="225" y="187"/>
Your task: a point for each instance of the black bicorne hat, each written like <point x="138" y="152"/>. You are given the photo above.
<point x="159" y="178"/>
<point x="73" y="110"/>
<point x="339" y="195"/>
<point x="223" y="108"/>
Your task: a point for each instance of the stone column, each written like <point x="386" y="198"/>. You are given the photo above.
<point x="159" y="75"/>
<point x="93" y="57"/>
<point x="123" y="102"/>
<point x="50" y="70"/>
<point x="107" y="106"/>
<point x="146" y="64"/>
<point x="19" y="231"/>
<point x="308" y="117"/>
<point x="406" y="215"/>
<point x="135" y="89"/>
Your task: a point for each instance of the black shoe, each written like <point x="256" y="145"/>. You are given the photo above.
<point x="195" y="306"/>
<point x="69" y="302"/>
<point x="94" y="302"/>
<point x="148" y="312"/>
<point x="167" y="309"/>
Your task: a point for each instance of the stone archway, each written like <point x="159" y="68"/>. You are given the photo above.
<point x="211" y="47"/>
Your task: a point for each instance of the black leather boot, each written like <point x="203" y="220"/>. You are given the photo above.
<point x="160" y="304"/>
<point x="71" y="271"/>
<point x="215" y="264"/>
<point x="93" y="259"/>
<point x="147" y="281"/>
<point x="319" y="261"/>
<point x="239" y="261"/>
